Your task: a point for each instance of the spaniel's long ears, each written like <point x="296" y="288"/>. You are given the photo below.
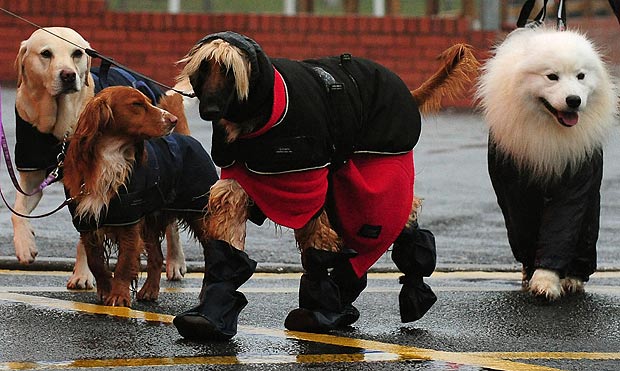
<point x="96" y="116"/>
<point x="450" y="80"/>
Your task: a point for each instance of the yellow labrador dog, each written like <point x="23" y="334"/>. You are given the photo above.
<point x="54" y="85"/>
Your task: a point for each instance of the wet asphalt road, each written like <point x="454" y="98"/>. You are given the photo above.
<point x="481" y="320"/>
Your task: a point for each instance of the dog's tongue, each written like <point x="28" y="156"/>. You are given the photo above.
<point x="568" y="118"/>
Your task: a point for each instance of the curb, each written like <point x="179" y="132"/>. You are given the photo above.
<point x="193" y="266"/>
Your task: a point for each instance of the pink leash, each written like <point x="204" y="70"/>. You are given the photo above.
<point x="51" y="178"/>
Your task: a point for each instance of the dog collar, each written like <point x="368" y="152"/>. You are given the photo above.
<point x="279" y="108"/>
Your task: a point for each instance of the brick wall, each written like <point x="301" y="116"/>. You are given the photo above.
<point x="151" y="42"/>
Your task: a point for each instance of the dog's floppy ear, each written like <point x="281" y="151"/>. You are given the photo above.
<point x="97" y="115"/>
<point x="249" y="47"/>
<point x="19" y="62"/>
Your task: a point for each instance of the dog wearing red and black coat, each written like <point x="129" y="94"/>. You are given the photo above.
<point x="324" y="147"/>
<point x="128" y="178"/>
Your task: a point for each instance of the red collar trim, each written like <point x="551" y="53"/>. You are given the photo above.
<point x="279" y="109"/>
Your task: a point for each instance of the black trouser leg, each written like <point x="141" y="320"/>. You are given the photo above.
<point x="215" y="318"/>
<point x="414" y="254"/>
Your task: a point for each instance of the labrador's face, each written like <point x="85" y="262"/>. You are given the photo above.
<point x="46" y="61"/>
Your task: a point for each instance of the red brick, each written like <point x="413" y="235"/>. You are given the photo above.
<point x="424" y="25"/>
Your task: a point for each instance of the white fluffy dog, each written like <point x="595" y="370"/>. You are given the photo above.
<point x="549" y="102"/>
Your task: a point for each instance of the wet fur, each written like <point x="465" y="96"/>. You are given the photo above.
<point x="221" y="68"/>
<point x="54" y="106"/>
<point x="513" y="83"/>
<point x="106" y="145"/>
<point x="51" y="106"/>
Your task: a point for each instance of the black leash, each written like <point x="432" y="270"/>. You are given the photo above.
<point x="106" y="62"/>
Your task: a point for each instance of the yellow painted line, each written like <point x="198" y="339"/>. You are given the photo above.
<point x="402" y="352"/>
<point x="553" y="355"/>
<point x="85" y="307"/>
<point x="208" y="360"/>
<point x="407" y="352"/>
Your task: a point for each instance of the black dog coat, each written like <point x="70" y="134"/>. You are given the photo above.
<point x="347" y="125"/>
<point x="177" y="175"/>
<point x="553" y="225"/>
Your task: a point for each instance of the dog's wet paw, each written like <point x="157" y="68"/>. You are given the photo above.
<point x="175" y="271"/>
<point x="119" y="300"/>
<point x="148" y="292"/>
<point x="25" y="246"/>
<point x="572" y="285"/>
<point x="546" y="283"/>
<point x="81" y="281"/>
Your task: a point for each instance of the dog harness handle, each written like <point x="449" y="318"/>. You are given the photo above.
<point x="106" y="62"/>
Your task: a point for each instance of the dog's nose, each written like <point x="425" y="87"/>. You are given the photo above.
<point x="573" y="101"/>
<point x="67" y="76"/>
<point x="210" y="112"/>
<point x="172" y="118"/>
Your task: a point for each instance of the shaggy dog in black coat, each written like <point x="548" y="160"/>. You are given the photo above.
<point x="549" y="102"/>
<point x="324" y="147"/>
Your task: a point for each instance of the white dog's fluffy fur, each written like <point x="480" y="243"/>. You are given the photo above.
<point x="532" y="66"/>
<point x="513" y="82"/>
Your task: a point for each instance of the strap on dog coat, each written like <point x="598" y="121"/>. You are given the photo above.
<point x="106" y="76"/>
<point x="343" y="131"/>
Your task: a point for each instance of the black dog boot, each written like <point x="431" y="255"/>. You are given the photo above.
<point x="350" y="286"/>
<point x="415" y="255"/>
<point x="215" y="318"/>
<point x="320" y="305"/>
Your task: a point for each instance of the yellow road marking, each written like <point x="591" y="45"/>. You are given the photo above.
<point x="85" y="307"/>
<point x="553" y="355"/>
<point x="205" y="360"/>
<point x="374" y="350"/>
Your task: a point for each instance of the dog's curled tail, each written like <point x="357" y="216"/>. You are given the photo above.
<point x="457" y="71"/>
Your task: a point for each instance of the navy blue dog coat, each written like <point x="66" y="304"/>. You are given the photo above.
<point x="177" y="175"/>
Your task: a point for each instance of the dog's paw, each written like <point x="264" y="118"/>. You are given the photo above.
<point x="82" y="278"/>
<point x="25" y="246"/>
<point x="572" y="285"/>
<point x="546" y="283"/>
<point x="81" y="281"/>
<point x="175" y="271"/>
<point x="148" y="292"/>
<point x="117" y="299"/>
